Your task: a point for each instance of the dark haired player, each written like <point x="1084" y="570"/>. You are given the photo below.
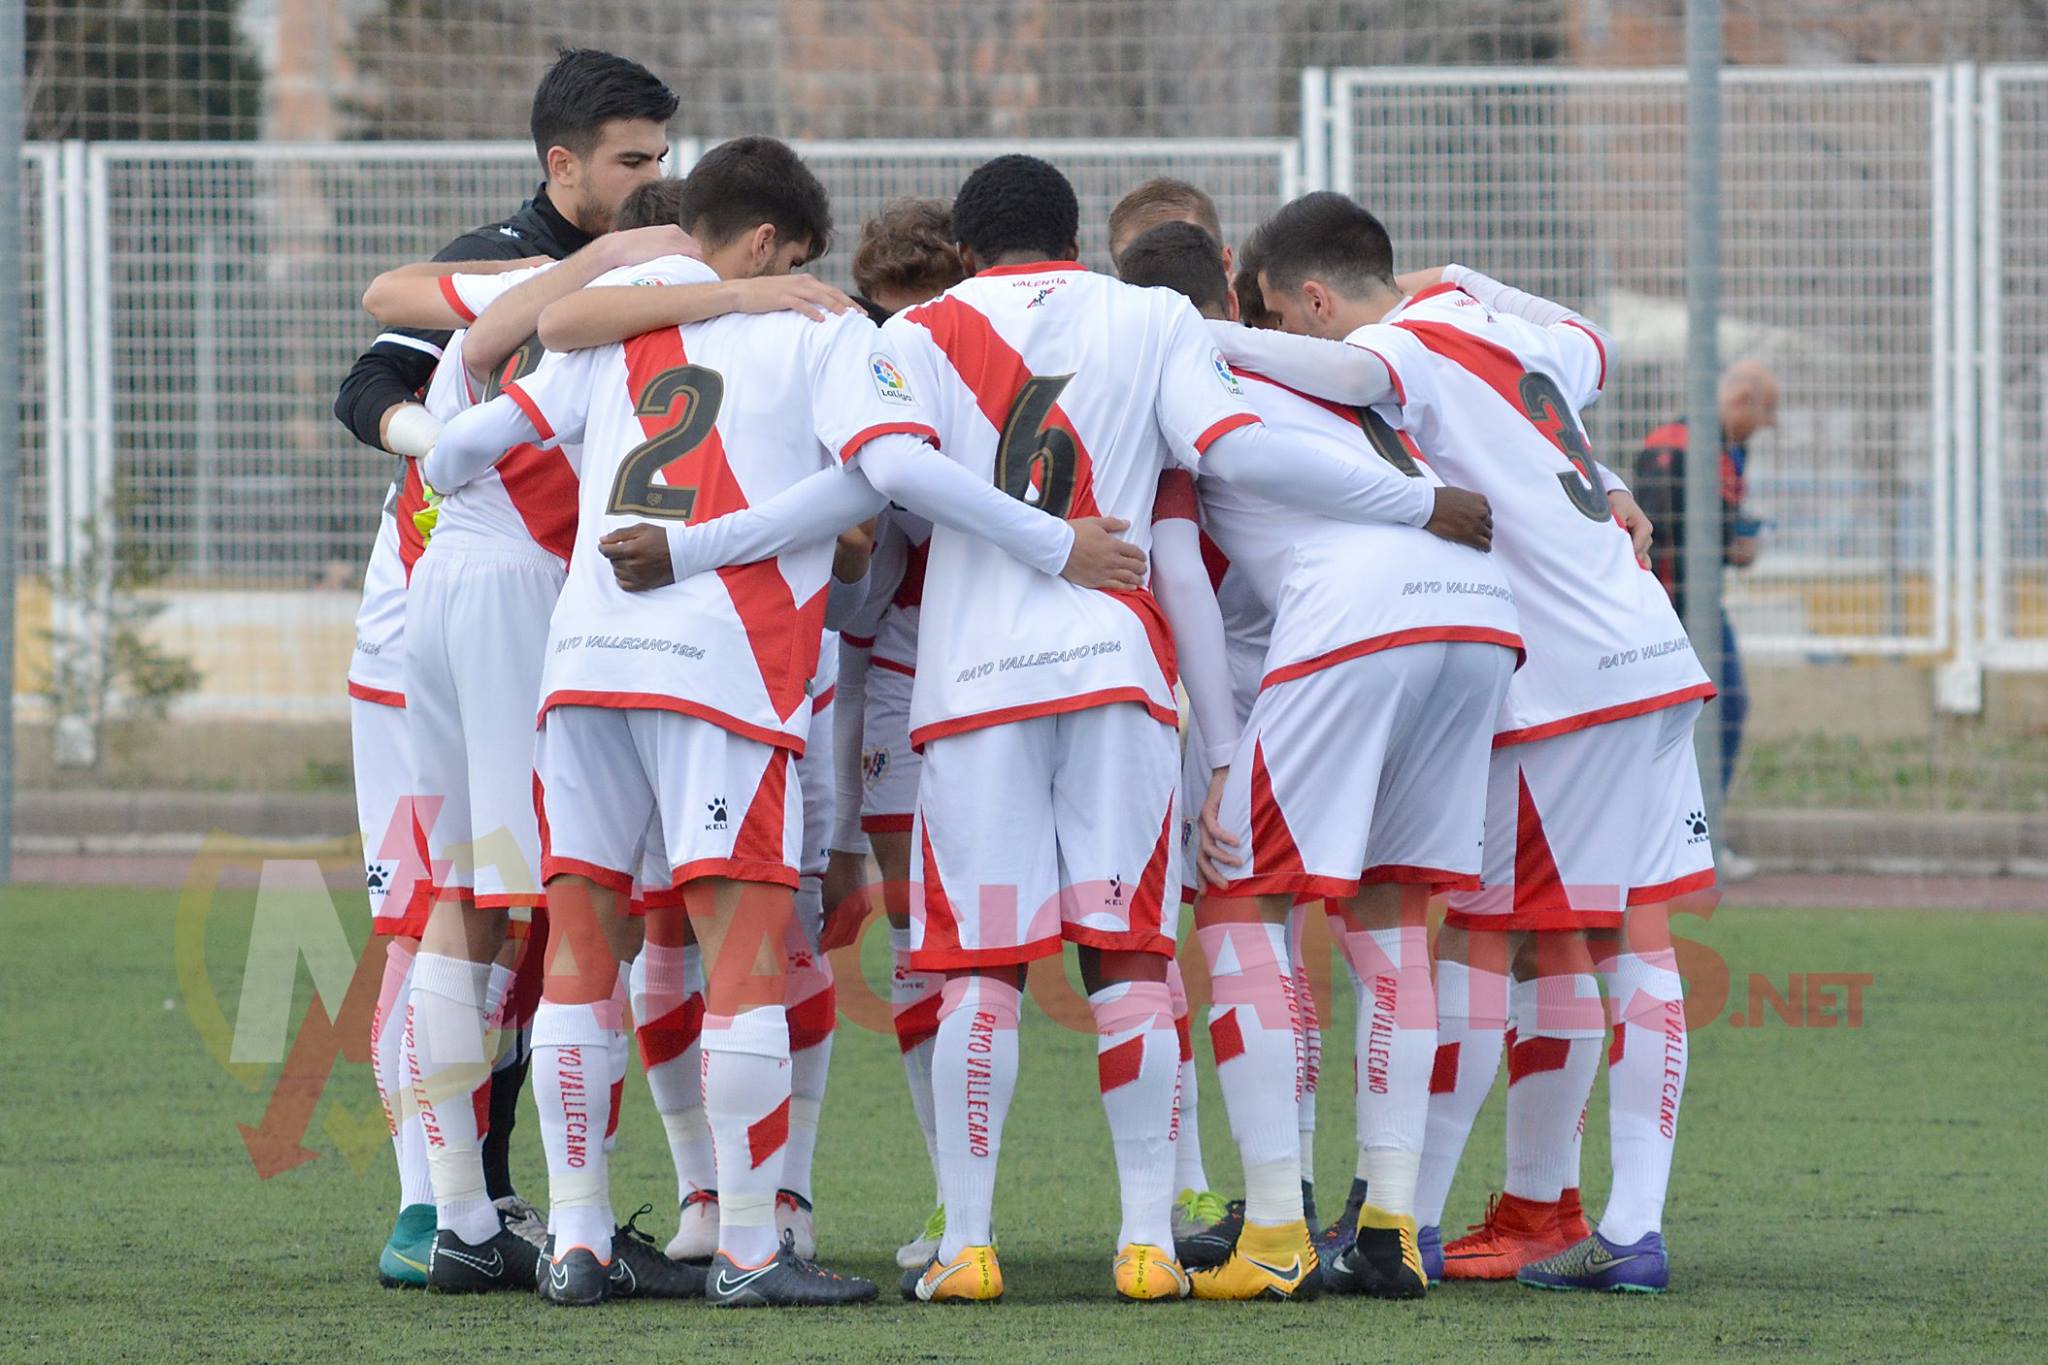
<point x="599" y="129"/>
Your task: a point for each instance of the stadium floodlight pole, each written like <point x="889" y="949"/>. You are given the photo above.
<point x="13" y="39"/>
<point x="1700" y="573"/>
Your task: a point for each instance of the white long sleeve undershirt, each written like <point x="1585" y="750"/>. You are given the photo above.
<point x="1314" y="479"/>
<point x="1180" y="580"/>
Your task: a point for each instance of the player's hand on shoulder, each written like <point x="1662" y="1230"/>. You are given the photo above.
<point x="1632" y="520"/>
<point x="1100" y="559"/>
<point x="1463" y="517"/>
<point x="637" y="246"/>
<point x="639" y="556"/>
<point x="804" y="294"/>
<point x="1217" y="848"/>
<point x="853" y="551"/>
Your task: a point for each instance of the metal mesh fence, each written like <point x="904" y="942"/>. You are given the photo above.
<point x="2015" y="428"/>
<point x="1572" y="184"/>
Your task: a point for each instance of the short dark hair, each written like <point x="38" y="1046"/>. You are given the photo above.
<point x="1164" y="200"/>
<point x="650" y="205"/>
<point x="1016" y="203"/>
<point x="739" y="185"/>
<point x="908" y="246"/>
<point x="1323" y="236"/>
<point x="584" y="90"/>
<point x="1181" y="257"/>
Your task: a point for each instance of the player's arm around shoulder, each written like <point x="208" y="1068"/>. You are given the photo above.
<point x="627" y="303"/>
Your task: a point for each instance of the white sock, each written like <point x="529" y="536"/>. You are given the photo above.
<point x="1137" y="1063"/>
<point x="974" y="1075"/>
<point x="618" y="1054"/>
<point x="1645" y="1082"/>
<point x="1551" y="1062"/>
<point x="1471" y="1017"/>
<point x="447" y="1012"/>
<point x="746" y="1097"/>
<point x="1308" y="1038"/>
<point x="813" y="1005"/>
<point x="1188" y="1172"/>
<point x="1252" y="1029"/>
<point x="571" y="1076"/>
<point x="394" y="1085"/>
<point x="669" y="1024"/>
<point x="1396" y="1054"/>
<point x="914" y="999"/>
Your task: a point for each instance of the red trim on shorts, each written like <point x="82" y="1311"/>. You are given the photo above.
<point x="824" y="699"/>
<point x="1537" y="921"/>
<point x="948" y="959"/>
<point x="1055" y="706"/>
<point x="412" y="922"/>
<point x="1289" y="884"/>
<point x="857" y="641"/>
<point x="737" y="870"/>
<point x="531" y="409"/>
<point x="1586" y="720"/>
<point x="1223" y="427"/>
<point x="553" y="866"/>
<point x="1664" y="891"/>
<point x="1594" y="337"/>
<point x="528" y="900"/>
<point x="656" y="701"/>
<point x="377" y="695"/>
<point x="1118" y="940"/>
<point x="1407" y="874"/>
<point x="1394" y="640"/>
<point x="866" y="434"/>
<point x="454" y="298"/>
<point x="891" y="666"/>
<point x="887" y="824"/>
<point x="658" y="898"/>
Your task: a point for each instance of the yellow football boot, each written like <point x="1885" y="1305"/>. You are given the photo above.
<point x="1269" y="1263"/>
<point x="1148" y="1273"/>
<point x="971" y="1277"/>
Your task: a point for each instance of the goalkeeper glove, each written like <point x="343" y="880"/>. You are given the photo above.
<point x="428" y="516"/>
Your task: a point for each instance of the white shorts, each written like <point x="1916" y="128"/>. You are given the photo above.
<point x="1581" y="825"/>
<point x="888" y="765"/>
<point x="816" y="779"/>
<point x="728" y="806"/>
<point x="394" y="844"/>
<point x="477" y="633"/>
<point x="1371" y="770"/>
<point x="1050" y="828"/>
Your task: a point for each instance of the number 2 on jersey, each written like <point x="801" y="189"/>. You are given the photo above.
<point x="1547" y="409"/>
<point x="1035" y="463"/>
<point x="701" y="391"/>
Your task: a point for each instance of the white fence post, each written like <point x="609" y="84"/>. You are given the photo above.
<point x="1959" y="683"/>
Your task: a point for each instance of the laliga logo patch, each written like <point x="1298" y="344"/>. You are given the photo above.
<point x="1225" y="374"/>
<point x="889" y="381"/>
<point x="873" y="763"/>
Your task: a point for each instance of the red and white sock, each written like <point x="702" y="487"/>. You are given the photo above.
<point x="813" y="1005"/>
<point x="1188" y="1172"/>
<point x="1645" y="1081"/>
<point x="1308" y="1037"/>
<point x="1396" y="1055"/>
<point x="449" y="1069"/>
<point x="1551" y="1061"/>
<point x="572" y="1090"/>
<point x="1253" y="1031"/>
<point x="1471" y="1016"/>
<point x="1137" y="1062"/>
<point x="974" y="1075"/>
<point x="394" y="1084"/>
<point x="914" y="999"/>
<point x="668" y="1013"/>
<point x="746" y="1097"/>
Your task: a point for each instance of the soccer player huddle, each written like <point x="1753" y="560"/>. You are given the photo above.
<point x="704" y="583"/>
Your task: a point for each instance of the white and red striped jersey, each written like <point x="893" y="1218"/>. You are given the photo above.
<point x="1340" y="589"/>
<point x="688" y="424"/>
<point x="1493" y="400"/>
<point x="529" y="497"/>
<point x="886" y="624"/>
<point x="1071" y="392"/>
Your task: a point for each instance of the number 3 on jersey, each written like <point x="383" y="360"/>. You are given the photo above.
<point x="700" y="392"/>
<point x="1035" y="463"/>
<point x="1546" y="407"/>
